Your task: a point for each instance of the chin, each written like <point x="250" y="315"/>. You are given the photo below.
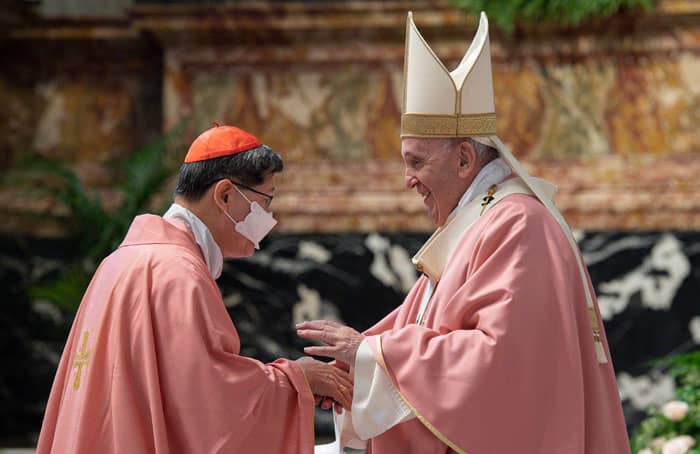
<point x="249" y="250"/>
<point x="434" y="218"/>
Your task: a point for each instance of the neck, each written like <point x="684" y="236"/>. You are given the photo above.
<point x="493" y="172"/>
<point x="200" y="209"/>
<point x="195" y="207"/>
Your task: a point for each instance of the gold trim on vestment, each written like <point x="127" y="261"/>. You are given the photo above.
<point x="420" y="417"/>
<point x="82" y="359"/>
<point x="427" y="125"/>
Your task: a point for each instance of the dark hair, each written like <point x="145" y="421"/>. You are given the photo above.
<point x="249" y="168"/>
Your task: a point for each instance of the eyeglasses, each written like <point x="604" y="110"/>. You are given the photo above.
<point x="268" y="197"/>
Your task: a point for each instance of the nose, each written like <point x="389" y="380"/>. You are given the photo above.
<point x="410" y="180"/>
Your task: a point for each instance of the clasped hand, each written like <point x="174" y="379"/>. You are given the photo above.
<point x="328" y="383"/>
<point x="341" y="342"/>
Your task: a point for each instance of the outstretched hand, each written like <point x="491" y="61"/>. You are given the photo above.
<point x="341" y="341"/>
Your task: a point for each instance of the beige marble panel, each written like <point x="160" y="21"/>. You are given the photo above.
<point x="608" y="113"/>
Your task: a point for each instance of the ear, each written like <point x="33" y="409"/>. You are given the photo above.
<point x="222" y="190"/>
<point x="467" y="159"/>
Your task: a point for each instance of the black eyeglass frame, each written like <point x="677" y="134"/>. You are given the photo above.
<point x="268" y="196"/>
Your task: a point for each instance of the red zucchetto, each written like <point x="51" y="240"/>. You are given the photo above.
<point x="220" y="141"/>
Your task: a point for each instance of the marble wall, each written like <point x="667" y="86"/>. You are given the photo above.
<point x="608" y="111"/>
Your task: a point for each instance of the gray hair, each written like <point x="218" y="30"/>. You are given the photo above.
<point x="249" y="168"/>
<point x="484" y="153"/>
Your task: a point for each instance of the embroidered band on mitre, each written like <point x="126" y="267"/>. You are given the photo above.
<point x="438" y="103"/>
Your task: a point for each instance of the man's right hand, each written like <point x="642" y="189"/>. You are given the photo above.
<point x="327" y="380"/>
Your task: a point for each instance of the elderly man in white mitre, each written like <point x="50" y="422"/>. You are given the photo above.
<point x="498" y="347"/>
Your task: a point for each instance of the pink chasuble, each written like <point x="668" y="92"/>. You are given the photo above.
<point x="152" y="363"/>
<point x="504" y="361"/>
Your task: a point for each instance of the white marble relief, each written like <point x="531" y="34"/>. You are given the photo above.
<point x="233" y="299"/>
<point x="694" y="328"/>
<point x="262" y="258"/>
<point x="43" y="350"/>
<point x="596" y="255"/>
<point x="657" y="280"/>
<point x="250" y="281"/>
<point x="591" y="242"/>
<point x="314" y="252"/>
<point x="391" y="263"/>
<point x="269" y="345"/>
<point x="405" y="270"/>
<point x="291" y="267"/>
<point x="378" y="245"/>
<point x="49" y="310"/>
<point x="308" y="307"/>
<point x="644" y="391"/>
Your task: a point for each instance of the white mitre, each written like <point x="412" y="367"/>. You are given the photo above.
<point x="438" y="103"/>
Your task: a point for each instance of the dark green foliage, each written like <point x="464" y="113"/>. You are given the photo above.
<point x="506" y="13"/>
<point x="96" y="230"/>
<point x="685" y="369"/>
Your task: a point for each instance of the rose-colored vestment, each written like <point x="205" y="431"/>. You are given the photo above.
<point x="159" y="367"/>
<point x="505" y="362"/>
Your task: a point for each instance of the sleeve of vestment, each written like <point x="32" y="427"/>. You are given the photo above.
<point x="216" y="400"/>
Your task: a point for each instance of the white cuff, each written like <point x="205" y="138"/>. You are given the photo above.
<point x="345" y="436"/>
<point x="376" y="405"/>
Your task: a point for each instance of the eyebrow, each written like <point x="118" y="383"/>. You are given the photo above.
<point x="412" y="154"/>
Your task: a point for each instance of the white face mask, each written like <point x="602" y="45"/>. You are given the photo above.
<point x="256" y="224"/>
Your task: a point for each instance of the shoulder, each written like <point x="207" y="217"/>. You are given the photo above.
<point x="164" y="263"/>
<point x="524" y="220"/>
<point x="520" y="211"/>
<point x="180" y="265"/>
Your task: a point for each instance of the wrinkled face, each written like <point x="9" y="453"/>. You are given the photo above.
<point x="438" y="174"/>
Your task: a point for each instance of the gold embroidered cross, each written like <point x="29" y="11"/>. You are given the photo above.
<point x="81" y="360"/>
<point x="489" y="198"/>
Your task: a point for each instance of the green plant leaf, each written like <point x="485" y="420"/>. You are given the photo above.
<point x="506" y="13"/>
<point x="97" y="231"/>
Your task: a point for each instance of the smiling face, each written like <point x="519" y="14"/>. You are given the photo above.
<point x="440" y="170"/>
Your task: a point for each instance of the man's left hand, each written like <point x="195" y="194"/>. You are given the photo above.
<point x="341" y="341"/>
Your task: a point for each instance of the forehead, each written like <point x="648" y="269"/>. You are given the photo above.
<point x="416" y="146"/>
